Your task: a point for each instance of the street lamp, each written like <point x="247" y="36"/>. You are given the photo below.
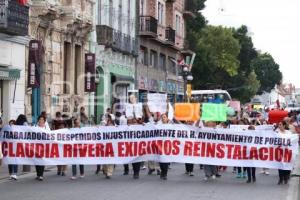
<point x="186" y="75"/>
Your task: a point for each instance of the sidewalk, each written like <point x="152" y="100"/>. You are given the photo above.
<point x="4" y="171"/>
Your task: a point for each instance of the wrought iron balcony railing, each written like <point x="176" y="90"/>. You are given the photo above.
<point x="14" y="18"/>
<point x="170" y="35"/>
<point x="148" y="26"/>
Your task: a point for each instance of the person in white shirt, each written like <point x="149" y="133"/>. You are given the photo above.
<point x="284" y="175"/>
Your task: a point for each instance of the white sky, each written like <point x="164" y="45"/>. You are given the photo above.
<point x="274" y="25"/>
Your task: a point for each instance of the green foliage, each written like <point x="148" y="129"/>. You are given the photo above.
<point x="267" y="71"/>
<point x="217" y="51"/>
<point x="226" y="58"/>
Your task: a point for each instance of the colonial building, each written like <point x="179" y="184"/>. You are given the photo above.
<point x="13" y="41"/>
<point x="162" y="44"/>
<point x="116" y="51"/>
<point x="61" y="29"/>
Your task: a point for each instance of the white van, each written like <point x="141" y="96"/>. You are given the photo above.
<point x="210" y="95"/>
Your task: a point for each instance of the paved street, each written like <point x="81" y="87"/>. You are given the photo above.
<point x="178" y="186"/>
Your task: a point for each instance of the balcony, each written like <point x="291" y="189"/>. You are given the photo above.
<point x="190" y="8"/>
<point x="116" y="40"/>
<point x="14" y="18"/>
<point x="126" y="44"/>
<point x="148" y="26"/>
<point x="170" y="36"/>
<point x="47" y="10"/>
<point x="104" y="35"/>
<point x="134" y="47"/>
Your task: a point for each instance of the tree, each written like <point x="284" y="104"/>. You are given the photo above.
<point x="244" y="85"/>
<point x="267" y="71"/>
<point x="217" y="57"/>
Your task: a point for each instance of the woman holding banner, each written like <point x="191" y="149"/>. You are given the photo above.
<point x="77" y="124"/>
<point x="251" y="170"/>
<point x="164" y="166"/>
<point x="284" y="175"/>
<point x="134" y="114"/>
<point x="210" y="171"/>
<point x="109" y="169"/>
<point x="41" y="168"/>
<point x="59" y="123"/>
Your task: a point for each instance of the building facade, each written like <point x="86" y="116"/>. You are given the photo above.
<point x="13" y="42"/>
<point x="116" y="52"/>
<point x="63" y="28"/>
<point x="162" y="44"/>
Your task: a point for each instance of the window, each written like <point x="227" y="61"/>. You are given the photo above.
<point x="77" y="69"/>
<point x="153" y="59"/>
<point x="143" y="55"/>
<point x="160" y="13"/>
<point x="67" y="68"/>
<point x="178" y="24"/>
<point x="172" y="65"/>
<point x="143" y="7"/>
<point x="162" y="62"/>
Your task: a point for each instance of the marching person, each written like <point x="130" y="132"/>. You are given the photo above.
<point x="210" y="171"/>
<point x="251" y="170"/>
<point x="41" y="168"/>
<point x="77" y="124"/>
<point x="12" y="169"/>
<point x="108" y="169"/>
<point x="164" y="166"/>
<point x="152" y="165"/>
<point x="83" y="117"/>
<point x="44" y="114"/>
<point x="21" y="121"/>
<point x="59" y="123"/>
<point x="189" y="167"/>
<point x="284" y="175"/>
<point x="134" y="120"/>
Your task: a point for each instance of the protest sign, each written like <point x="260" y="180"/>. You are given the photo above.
<point x="157" y="102"/>
<point x="236" y="105"/>
<point x="134" y="110"/>
<point x="187" y="111"/>
<point x="214" y="112"/>
<point x="25" y="145"/>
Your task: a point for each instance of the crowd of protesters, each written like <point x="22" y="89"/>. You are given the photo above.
<point x="290" y="125"/>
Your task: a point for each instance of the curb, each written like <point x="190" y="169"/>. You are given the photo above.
<point x="25" y="174"/>
<point x="294" y="186"/>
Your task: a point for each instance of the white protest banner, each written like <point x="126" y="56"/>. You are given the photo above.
<point x="157" y="102"/>
<point x="245" y="127"/>
<point x="25" y="145"/>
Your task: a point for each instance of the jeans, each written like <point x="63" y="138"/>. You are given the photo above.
<point x="126" y="168"/>
<point x="240" y="169"/>
<point x="251" y="173"/>
<point x="13" y="169"/>
<point x="189" y="167"/>
<point x="210" y="170"/>
<point x="164" y="169"/>
<point x="136" y="168"/>
<point x="40" y="170"/>
<point x="284" y="174"/>
<point x="74" y="170"/>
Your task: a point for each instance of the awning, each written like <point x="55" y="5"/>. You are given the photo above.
<point x="9" y="74"/>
